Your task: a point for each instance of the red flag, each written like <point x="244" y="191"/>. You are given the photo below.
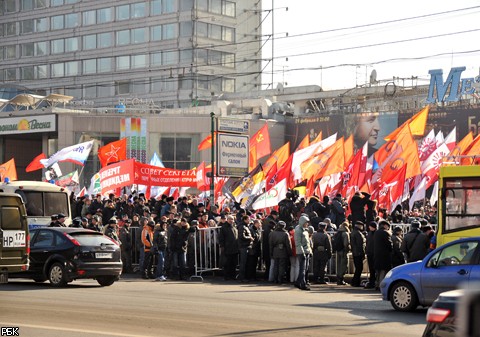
<point x="310" y="188"/>
<point x="176" y="193"/>
<point x="270" y="178"/>
<point x="36" y="164"/>
<point x="113" y="152"/>
<point x="8" y="170"/>
<point x="207" y="142"/>
<point x="202" y="180"/>
<point x="285" y="172"/>
<point x="261" y="141"/>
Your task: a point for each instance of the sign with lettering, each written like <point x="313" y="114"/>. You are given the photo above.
<point x="27" y="124"/>
<point x="232" y="155"/>
<point x="452" y="89"/>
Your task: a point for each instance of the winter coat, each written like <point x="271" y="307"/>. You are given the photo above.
<point x="179" y="239"/>
<point x="257" y="241"/>
<point x="383" y="249"/>
<point x="338" y="212"/>
<point x="245" y="238"/>
<point x="370" y="250"/>
<point x="279" y="243"/>
<point x="302" y="241"/>
<point x="160" y="240"/>
<point x="347" y="248"/>
<point x="357" y="207"/>
<point x="322" y="243"/>
<point x="358" y="242"/>
<point x="415" y="245"/>
<point x="227" y="238"/>
<point x="397" y="256"/>
<point x="125" y="237"/>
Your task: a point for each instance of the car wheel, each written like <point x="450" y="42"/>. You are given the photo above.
<point x="403" y="297"/>
<point x="106" y="281"/>
<point x="56" y="275"/>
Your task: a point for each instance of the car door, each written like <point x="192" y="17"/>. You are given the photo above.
<point x="451" y="265"/>
<point x="40" y="249"/>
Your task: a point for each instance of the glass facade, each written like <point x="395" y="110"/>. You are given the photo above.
<point x="52" y="39"/>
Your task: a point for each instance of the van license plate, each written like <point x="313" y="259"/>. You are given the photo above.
<point x="103" y="255"/>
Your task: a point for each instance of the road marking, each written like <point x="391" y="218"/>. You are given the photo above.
<point x="48" y="327"/>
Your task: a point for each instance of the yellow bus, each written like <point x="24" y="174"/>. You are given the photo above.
<point x="458" y="203"/>
<point x="42" y="200"/>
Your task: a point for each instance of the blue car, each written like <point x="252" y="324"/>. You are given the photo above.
<point x="419" y="283"/>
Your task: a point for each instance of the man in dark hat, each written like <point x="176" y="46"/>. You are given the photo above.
<point x="167" y="206"/>
<point x="280" y="250"/>
<point x="125" y="237"/>
<point x="111" y="230"/>
<point x="397" y="238"/>
<point x="358" y="243"/>
<point x="322" y="252"/>
<point x="415" y="243"/>
<point x="383" y="251"/>
<point x="53" y="218"/>
<point x="60" y="220"/>
<point x="268" y="225"/>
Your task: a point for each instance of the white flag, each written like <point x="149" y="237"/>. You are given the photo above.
<point x="301" y="155"/>
<point x="77" y="154"/>
<point x="272" y="197"/>
<point x="434" y="197"/>
<point x="418" y="193"/>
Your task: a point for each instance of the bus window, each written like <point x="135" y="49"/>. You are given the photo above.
<point x="56" y="203"/>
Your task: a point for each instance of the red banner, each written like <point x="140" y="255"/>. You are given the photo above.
<point x="129" y="172"/>
<point x="160" y="176"/>
<point x="117" y="175"/>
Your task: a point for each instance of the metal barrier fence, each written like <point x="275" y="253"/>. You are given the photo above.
<point x="207" y="251"/>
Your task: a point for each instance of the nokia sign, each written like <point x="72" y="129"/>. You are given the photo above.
<point x="452" y="89"/>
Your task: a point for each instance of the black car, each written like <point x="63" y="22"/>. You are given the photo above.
<point x="64" y="254"/>
<point x="441" y="316"/>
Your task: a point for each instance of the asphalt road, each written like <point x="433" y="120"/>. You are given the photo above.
<point x="135" y="307"/>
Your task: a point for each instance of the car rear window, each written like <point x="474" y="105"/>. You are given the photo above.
<point x="91" y="239"/>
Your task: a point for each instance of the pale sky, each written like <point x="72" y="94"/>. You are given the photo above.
<point x="314" y="17"/>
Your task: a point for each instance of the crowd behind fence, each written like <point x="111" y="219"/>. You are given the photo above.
<point x="207" y="258"/>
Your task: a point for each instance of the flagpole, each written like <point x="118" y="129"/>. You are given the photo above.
<point x="212" y="160"/>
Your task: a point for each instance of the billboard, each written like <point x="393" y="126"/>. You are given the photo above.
<point x="374" y="126"/>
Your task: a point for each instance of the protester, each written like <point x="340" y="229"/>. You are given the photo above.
<point x="322" y="252"/>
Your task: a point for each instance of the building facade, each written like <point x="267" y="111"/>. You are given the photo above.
<point x="170" y="53"/>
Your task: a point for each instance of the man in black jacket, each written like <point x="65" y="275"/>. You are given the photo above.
<point x="227" y="238"/>
<point x="322" y="252"/>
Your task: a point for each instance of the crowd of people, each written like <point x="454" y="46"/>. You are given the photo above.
<point x="160" y="236"/>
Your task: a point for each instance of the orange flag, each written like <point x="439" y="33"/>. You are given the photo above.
<point x="280" y="156"/>
<point x="348" y="149"/>
<point x="261" y="141"/>
<point x="8" y="170"/>
<point x="472" y="150"/>
<point x="252" y="158"/>
<point x="36" y="164"/>
<point x="317" y="139"/>
<point x="207" y="142"/>
<point x="113" y="152"/>
<point x="330" y="161"/>
<point x="405" y="151"/>
<point x="304" y="143"/>
<point x="417" y="124"/>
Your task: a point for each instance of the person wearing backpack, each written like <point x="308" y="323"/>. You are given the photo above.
<point x="342" y="248"/>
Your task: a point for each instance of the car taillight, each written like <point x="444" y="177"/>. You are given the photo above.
<point x="72" y="239"/>
<point x="435" y="315"/>
<point x="28" y="244"/>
